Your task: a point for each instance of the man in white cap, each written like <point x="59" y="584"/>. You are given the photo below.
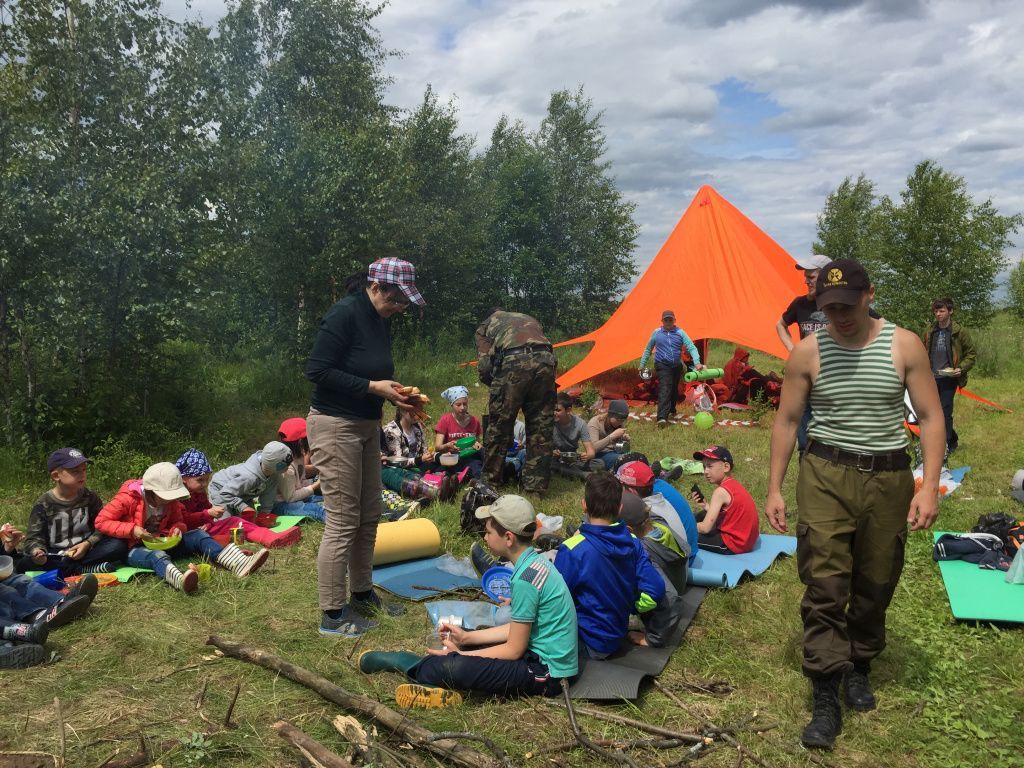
<point x="527" y="657"/>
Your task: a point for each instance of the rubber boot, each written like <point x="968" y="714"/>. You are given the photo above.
<point x="412" y="696"/>
<point x="372" y="662"/>
<point x="827" y="716"/>
<point x="239" y="563"/>
<point x="187" y="582"/>
<point x="857" y="688"/>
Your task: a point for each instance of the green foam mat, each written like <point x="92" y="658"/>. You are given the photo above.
<point x="976" y="594"/>
<point x="284" y="522"/>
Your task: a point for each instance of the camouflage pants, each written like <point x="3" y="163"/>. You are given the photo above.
<point x="851" y="531"/>
<point x="524" y="381"/>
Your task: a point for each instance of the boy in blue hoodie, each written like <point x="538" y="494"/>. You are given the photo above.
<point x="607" y="570"/>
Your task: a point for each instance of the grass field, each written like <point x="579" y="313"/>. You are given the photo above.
<point x="950" y="694"/>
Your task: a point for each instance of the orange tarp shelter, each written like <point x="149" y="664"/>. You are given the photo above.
<point x="722" y="276"/>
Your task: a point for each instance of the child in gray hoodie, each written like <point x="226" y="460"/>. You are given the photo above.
<point x="242" y="488"/>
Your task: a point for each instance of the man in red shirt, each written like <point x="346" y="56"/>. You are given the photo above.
<point x="728" y="523"/>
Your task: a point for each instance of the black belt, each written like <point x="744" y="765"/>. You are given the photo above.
<point x="865" y="462"/>
<point x="526" y="348"/>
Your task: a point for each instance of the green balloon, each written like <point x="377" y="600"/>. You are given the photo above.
<point x="704" y="420"/>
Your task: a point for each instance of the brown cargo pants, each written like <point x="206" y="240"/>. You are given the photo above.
<point x="851" y="533"/>
<point x="346" y="453"/>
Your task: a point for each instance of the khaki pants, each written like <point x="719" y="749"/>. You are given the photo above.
<point x="346" y="452"/>
<point x="851" y="534"/>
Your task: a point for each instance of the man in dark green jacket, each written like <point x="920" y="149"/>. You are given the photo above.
<point x="952" y="354"/>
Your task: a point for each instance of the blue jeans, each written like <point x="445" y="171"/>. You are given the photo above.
<point x="527" y="676"/>
<point x="312" y="507"/>
<point x="947" y="392"/>
<point x="107" y="550"/>
<point x="192" y="543"/>
<point x="609" y="458"/>
<point x="21" y="596"/>
<point x="517" y="460"/>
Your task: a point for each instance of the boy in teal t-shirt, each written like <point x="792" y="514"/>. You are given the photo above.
<point x="529" y="656"/>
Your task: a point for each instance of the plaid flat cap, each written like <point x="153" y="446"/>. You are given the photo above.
<point x="398" y="272"/>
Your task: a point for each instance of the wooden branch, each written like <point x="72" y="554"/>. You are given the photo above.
<point x="585" y="741"/>
<point x="314" y="751"/>
<point x="612" y="743"/>
<point x="690" y="738"/>
<point x="498" y="751"/>
<point x="714" y="730"/>
<point x="353" y="702"/>
<point x="231" y="706"/>
<point x="60" y="730"/>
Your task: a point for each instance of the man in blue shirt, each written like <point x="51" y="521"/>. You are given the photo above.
<point x="668" y="342"/>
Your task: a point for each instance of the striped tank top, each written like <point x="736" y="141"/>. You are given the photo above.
<point x="857" y="399"/>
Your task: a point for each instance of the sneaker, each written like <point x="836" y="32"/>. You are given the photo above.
<point x="66" y="611"/>
<point x="87" y="585"/>
<point x="351" y="624"/>
<point x="412" y="696"/>
<point x="34" y="632"/>
<point x="674" y="474"/>
<point x="369" y="606"/>
<point x="662" y="423"/>
<point x="20" y="655"/>
<point x="402" y="512"/>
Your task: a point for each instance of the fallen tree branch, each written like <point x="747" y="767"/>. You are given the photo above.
<point x="314" y="751"/>
<point x="612" y="743"/>
<point x="690" y="738"/>
<point x="713" y="730"/>
<point x="353" y="702"/>
<point x="585" y="741"/>
<point x="498" y="751"/>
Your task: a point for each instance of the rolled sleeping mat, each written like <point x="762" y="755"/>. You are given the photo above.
<point x="406" y="540"/>
<point x="705" y="375"/>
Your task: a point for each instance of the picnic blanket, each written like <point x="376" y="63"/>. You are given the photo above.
<point x="710" y="569"/>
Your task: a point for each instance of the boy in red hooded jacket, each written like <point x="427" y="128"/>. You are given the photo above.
<point x="151" y="507"/>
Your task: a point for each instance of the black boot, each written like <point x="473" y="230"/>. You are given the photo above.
<point x="34" y="632"/>
<point x="20" y="655"/>
<point x="857" y="688"/>
<point x="827" y="718"/>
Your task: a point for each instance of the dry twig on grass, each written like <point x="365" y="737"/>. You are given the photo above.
<point x="585" y="741"/>
<point x="319" y="755"/>
<point x="387" y="717"/>
<point x="657" y="730"/>
<point x="714" y="731"/>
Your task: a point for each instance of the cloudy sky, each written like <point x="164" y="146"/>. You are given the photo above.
<point x="772" y="103"/>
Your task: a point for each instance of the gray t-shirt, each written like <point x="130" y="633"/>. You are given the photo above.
<point x="568" y="438"/>
<point x="940" y="351"/>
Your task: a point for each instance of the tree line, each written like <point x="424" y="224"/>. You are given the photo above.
<point x="164" y="184"/>
<point x="934" y="241"/>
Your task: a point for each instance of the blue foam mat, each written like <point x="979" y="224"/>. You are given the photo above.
<point x="710" y="569"/>
<point x="399" y="578"/>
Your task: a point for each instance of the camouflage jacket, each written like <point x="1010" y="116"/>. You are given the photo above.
<point x="502" y="331"/>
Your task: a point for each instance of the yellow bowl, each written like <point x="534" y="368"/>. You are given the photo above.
<point x="162" y="542"/>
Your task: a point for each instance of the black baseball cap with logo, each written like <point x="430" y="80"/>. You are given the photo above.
<point x="841" y="282"/>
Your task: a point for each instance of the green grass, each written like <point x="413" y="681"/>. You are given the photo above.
<point x="950" y="694"/>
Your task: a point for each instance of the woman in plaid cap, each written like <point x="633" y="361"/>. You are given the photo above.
<point x="351" y="369"/>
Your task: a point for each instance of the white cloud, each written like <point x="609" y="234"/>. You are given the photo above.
<point x="841" y="87"/>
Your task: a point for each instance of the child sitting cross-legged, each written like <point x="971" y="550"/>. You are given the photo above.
<point x="200" y="513"/>
<point x="606" y="569"/>
<point x="727" y="523"/>
<point x="61" y="530"/>
<point x="145" y="509"/>
<point x="529" y="656"/>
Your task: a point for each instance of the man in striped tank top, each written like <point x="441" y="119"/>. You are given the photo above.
<point x="855" y="492"/>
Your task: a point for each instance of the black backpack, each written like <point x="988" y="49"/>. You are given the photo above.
<point x="999" y="524"/>
<point x="478" y="494"/>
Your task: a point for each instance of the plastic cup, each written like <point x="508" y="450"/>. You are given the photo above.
<point x="205" y="570"/>
<point x="6" y="566"/>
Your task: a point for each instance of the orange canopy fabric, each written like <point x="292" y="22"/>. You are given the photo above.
<point x="722" y="276"/>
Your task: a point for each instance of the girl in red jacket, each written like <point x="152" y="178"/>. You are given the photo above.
<point x="151" y="507"/>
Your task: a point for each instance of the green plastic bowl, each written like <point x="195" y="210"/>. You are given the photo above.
<point x="162" y="542"/>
